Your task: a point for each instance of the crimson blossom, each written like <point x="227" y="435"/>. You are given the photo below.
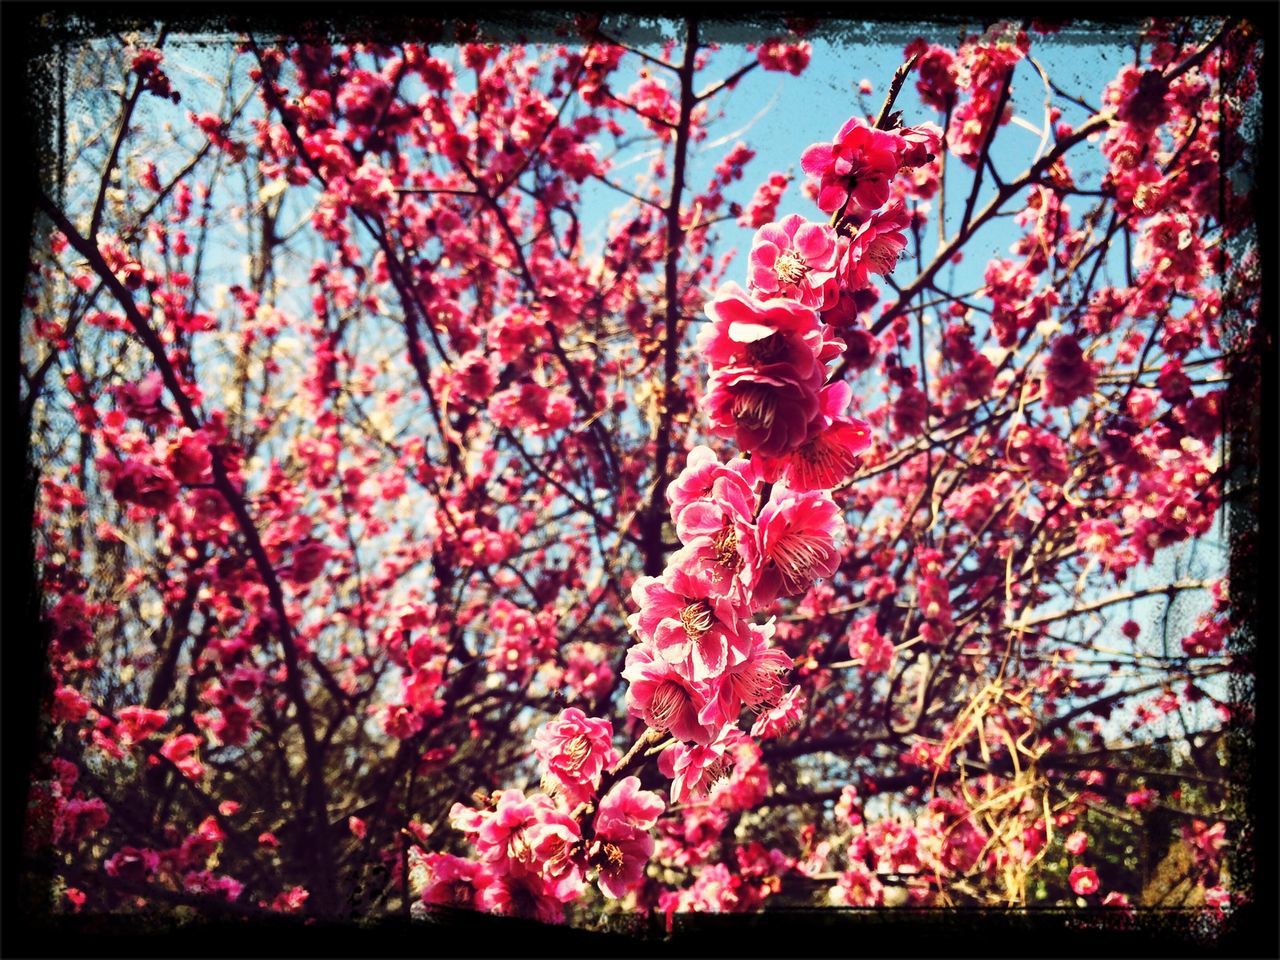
<point x="466" y="479"/>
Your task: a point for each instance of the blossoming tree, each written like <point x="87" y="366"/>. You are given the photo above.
<point x="415" y="529"/>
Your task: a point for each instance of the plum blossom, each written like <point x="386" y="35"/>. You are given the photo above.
<point x="693" y="629"/>
<point x="799" y="534"/>
<point x="664" y="699"/>
<point x="796" y="260"/>
<point x="854" y="169"/>
<point x="575" y="749"/>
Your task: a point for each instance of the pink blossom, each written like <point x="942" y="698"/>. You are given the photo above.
<point x="765" y="413"/>
<point x="1077" y="843"/>
<point x="725" y="565"/>
<point x="777" y="55"/>
<point x="796" y="260"/>
<point x="575" y="749"/>
<point x="798" y="542"/>
<point x="1142" y="799"/>
<point x="875" y="248"/>
<point x="1084" y="880"/>
<point x="454" y="882"/>
<point x="135" y="481"/>
<point x="853" y="170"/>
<point x="754" y="681"/>
<point x="663" y="698"/>
<point x="624" y="844"/>
<point x="830" y="454"/>
<point x="782" y="717"/>
<point x="867" y="644"/>
<point x="857" y="887"/>
<point x="694" y="768"/>
<point x="781" y="338"/>
<point x="1068" y="374"/>
<point x="692" y="628"/>
<point x="309" y="560"/>
<point x="706" y="480"/>
<point x="189" y="457"/>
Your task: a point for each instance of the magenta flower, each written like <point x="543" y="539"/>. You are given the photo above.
<point x="699" y="481"/>
<point x="627" y="808"/>
<point x="796" y="260"/>
<point x="525" y="896"/>
<point x="765" y="414"/>
<point x="189" y="458"/>
<point x="798" y="534"/>
<point x="503" y="838"/>
<point x="781" y="338"/>
<point x="693" y="769"/>
<point x="1068" y="374"/>
<point x="556" y="841"/>
<point x="830" y="454"/>
<point x="876" y="247"/>
<point x="575" y="749"/>
<point x="664" y="699"/>
<point x="691" y="628"/>
<point x="784" y="716"/>
<point x="855" y="167"/>
<point x="134" y="481"/>
<point x="754" y="681"/>
<point x="920" y="143"/>
<point x="726" y="565"/>
<point x="731" y="503"/>
<point x="1084" y="880"/>
<point x="454" y="882"/>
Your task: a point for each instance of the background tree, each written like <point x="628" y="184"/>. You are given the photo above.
<point x="362" y="378"/>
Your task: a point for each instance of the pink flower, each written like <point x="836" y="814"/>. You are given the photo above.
<point x="781" y="338"/>
<point x="855" y="168"/>
<point x="755" y="681"/>
<point x="138" y="723"/>
<point x="1077" y="843"/>
<point x="1141" y="799"/>
<point x="693" y="769"/>
<point x="1068" y="374"/>
<point x="875" y="248"/>
<point x="309" y="559"/>
<point x="725" y="565"/>
<point x="796" y="260"/>
<point x="867" y="644"/>
<point x="786" y="715"/>
<point x="189" y="458"/>
<point x="798" y="533"/>
<point x="706" y="480"/>
<point x="575" y="749"/>
<point x="763" y="413"/>
<point x="920" y="144"/>
<point x="690" y="627"/>
<point x="556" y="841"/>
<point x="180" y="751"/>
<point x="664" y="699"/>
<point x="623" y="843"/>
<point x="777" y="55"/>
<point x="622" y="861"/>
<point x="134" y="481"/>
<point x="454" y="882"/>
<point x="857" y="887"/>
<point x="627" y="809"/>
<point x="505" y="837"/>
<point x="526" y="895"/>
<point x="132" y="864"/>
<point x="830" y="454"/>
<point x="357" y="827"/>
<point x="1084" y="880"/>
